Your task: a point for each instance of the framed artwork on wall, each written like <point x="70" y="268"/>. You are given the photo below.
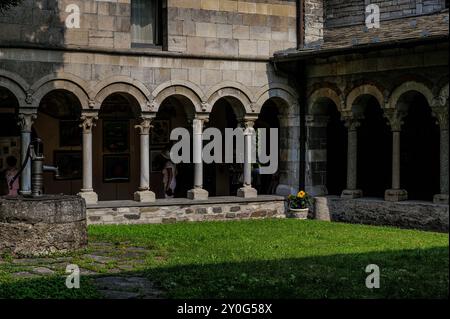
<point x="116" y="136"/>
<point x="116" y="168"/>
<point x="70" y="165"/>
<point x="160" y="133"/>
<point x="69" y="133"/>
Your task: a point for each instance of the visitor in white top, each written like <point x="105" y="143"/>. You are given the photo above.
<point x="169" y="175"/>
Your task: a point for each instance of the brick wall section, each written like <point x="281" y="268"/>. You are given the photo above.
<point x="350" y="12"/>
<point x="173" y="214"/>
<point x="314" y="19"/>
<point x="243" y="28"/>
<point x="413" y="27"/>
<point x="237" y="28"/>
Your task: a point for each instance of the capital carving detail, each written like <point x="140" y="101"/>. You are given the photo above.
<point x="145" y="126"/>
<point x="441" y="114"/>
<point x="395" y="119"/>
<point x="88" y="122"/>
<point x="26" y="121"/>
<point x="351" y="123"/>
<point x="29" y="97"/>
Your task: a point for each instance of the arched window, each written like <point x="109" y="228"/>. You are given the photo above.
<point x="146" y="23"/>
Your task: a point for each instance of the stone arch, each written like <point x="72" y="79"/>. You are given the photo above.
<point x="324" y="93"/>
<point x="282" y="92"/>
<point x="407" y="87"/>
<point x="71" y="84"/>
<point x="442" y="98"/>
<point x="121" y="84"/>
<point x="364" y="89"/>
<point x="181" y="88"/>
<point x="244" y="105"/>
<point x="17" y="85"/>
<point x="138" y="95"/>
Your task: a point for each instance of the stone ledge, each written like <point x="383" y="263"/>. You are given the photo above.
<point x="186" y="202"/>
<point x="372" y="211"/>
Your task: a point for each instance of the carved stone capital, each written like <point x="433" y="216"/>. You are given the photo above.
<point x="441" y="114"/>
<point x="317" y="120"/>
<point x="88" y="122"/>
<point x="26" y="121"/>
<point x="145" y="125"/>
<point x="395" y="119"/>
<point x="351" y="122"/>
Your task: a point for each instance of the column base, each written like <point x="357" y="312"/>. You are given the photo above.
<point x="144" y="197"/>
<point x="352" y="194"/>
<point x="247" y="192"/>
<point x="396" y="195"/>
<point x="197" y="194"/>
<point x="91" y="198"/>
<point x="441" y="199"/>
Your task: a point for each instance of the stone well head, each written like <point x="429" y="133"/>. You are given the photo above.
<point x="42" y="226"/>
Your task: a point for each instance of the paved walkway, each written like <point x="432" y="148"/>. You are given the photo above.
<point x="116" y="270"/>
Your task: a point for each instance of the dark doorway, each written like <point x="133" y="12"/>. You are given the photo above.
<point x="419" y="150"/>
<point x="374" y="151"/>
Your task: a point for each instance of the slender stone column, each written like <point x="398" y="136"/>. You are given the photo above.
<point x="316" y="155"/>
<point x="25" y="123"/>
<point x="395" y="119"/>
<point x="352" y="125"/>
<point x="198" y="193"/>
<point x="87" y="192"/>
<point x="441" y="113"/>
<point x="247" y="191"/>
<point x="144" y="195"/>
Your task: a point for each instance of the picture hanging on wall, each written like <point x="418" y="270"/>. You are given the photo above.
<point x="69" y="163"/>
<point x="116" y="136"/>
<point x="116" y="168"/>
<point x="160" y="133"/>
<point x="69" y="133"/>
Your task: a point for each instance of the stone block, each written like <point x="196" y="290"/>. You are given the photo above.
<point x="396" y="195"/>
<point x="197" y="194"/>
<point x="144" y="197"/>
<point x="247" y="192"/>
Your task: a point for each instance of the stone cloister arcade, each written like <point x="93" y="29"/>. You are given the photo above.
<point x="64" y="97"/>
<point x="396" y="141"/>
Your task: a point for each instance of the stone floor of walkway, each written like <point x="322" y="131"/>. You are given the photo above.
<point x="115" y="269"/>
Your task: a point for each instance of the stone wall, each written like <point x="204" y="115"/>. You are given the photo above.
<point x="415" y="215"/>
<point x="182" y="212"/>
<point x="348" y="12"/>
<point x="314" y="20"/>
<point x="225" y="27"/>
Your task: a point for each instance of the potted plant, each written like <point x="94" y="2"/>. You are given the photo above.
<point x="299" y="205"/>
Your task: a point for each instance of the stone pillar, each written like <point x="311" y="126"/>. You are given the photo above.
<point x="87" y="192"/>
<point x="395" y="119"/>
<point x="144" y="195"/>
<point x="198" y="193"/>
<point x="289" y="161"/>
<point x="352" y="125"/>
<point x="25" y="123"/>
<point x="247" y="191"/>
<point x="441" y="113"/>
<point x="316" y="155"/>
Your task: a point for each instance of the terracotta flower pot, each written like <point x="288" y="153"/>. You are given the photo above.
<point x="299" y="213"/>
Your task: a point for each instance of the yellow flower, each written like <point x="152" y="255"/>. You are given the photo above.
<point x="301" y="194"/>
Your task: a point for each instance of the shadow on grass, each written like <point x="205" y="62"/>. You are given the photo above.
<point x="404" y="274"/>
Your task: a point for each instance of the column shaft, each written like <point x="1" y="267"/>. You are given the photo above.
<point x="25" y="123"/>
<point x="247" y="191"/>
<point x="198" y="193"/>
<point x="352" y="159"/>
<point x="144" y="195"/>
<point x="87" y="192"/>
<point x="444" y="161"/>
<point x="395" y="160"/>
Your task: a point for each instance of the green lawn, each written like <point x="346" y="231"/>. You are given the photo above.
<point x="268" y="259"/>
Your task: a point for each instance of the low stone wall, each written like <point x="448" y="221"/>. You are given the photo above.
<point x="164" y="211"/>
<point x="409" y="214"/>
<point x="32" y="227"/>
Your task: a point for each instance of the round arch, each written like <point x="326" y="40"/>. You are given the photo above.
<point x="240" y="101"/>
<point x="289" y="97"/>
<point x="125" y="88"/>
<point x="365" y="89"/>
<point x="320" y="94"/>
<point x="163" y="92"/>
<point x="407" y="87"/>
<point x="15" y="84"/>
<point x="65" y="85"/>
